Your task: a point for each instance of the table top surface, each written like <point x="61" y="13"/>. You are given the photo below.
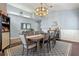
<point x="35" y="37"/>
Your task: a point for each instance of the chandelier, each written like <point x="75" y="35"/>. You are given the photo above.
<point x="41" y="10"/>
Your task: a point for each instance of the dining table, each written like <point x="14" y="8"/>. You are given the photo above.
<point x="37" y="38"/>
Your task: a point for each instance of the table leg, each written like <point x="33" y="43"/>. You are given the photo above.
<point x="38" y="47"/>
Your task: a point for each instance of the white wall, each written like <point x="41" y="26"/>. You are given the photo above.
<point x="68" y="20"/>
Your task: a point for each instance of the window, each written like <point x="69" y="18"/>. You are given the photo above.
<point x="25" y="26"/>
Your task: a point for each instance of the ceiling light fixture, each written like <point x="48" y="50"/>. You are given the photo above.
<point x="41" y="10"/>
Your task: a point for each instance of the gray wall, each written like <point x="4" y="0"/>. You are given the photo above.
<point x="15" y="24"/>
<point x="68" y="19"/>
<point x="15" y="21"/>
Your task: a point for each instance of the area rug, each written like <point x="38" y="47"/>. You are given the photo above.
<point x="60" y="49"/>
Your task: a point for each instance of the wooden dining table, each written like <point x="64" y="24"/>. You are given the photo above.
<point x="37" y="38"/>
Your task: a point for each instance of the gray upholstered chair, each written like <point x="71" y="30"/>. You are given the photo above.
<point x="53" y="35"/>
<point x="26" y="44"/>
<point x="46" y="43"/>
<point x="37" y="32"/>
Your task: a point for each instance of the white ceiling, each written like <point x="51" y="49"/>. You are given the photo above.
<point x="29" y="7"/>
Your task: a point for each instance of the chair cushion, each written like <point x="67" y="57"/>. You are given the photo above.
<point x="31" y="46"/>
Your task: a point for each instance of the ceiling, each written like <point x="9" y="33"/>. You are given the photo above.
<point x="29" y="7"/>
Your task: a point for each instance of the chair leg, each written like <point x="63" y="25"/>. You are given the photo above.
<point x="35" y="49"/>
<point x="32" y="51"/>
<point x="53" y="43"/>
<point x="47" y="47"/>
<point x="27" y="52"/>
<point x="43" y="48"/>
<point x="23" y="51"/>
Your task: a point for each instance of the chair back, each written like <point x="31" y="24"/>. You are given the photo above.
<point x="53" y="34"/>
<point x="37" y="32"/>
<point x="23" y="39"/>
<point x="47" y="36"/>
<point x="30" y="33"/>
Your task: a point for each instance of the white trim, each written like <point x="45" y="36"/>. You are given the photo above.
<point x="69" y="50"/>
<point x="17" y="14"/>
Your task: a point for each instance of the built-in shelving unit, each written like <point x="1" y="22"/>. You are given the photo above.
<point x="6" y="25"/>
<point x="5" y="30"/>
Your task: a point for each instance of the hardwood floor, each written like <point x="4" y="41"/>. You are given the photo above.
<point x="75" y="49"/>
<point x="1" y="54"/>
